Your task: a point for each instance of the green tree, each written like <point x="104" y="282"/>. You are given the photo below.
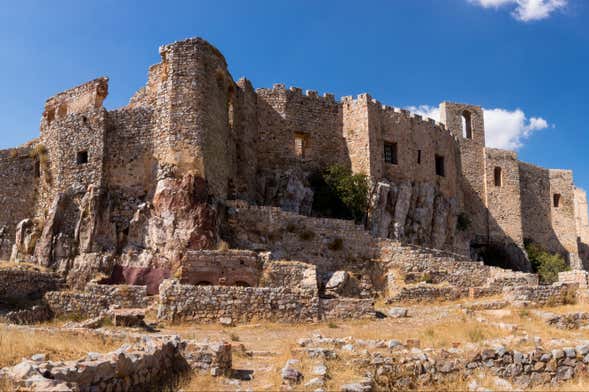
<point x="547" y="265"/>
<point x="339" y="194"/>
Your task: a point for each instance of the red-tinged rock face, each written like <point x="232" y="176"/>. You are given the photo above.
<point x="183" y="214"/>
<point x="150" y="277"/>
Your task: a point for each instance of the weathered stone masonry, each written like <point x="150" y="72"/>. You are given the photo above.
<point x="146" y="184"/>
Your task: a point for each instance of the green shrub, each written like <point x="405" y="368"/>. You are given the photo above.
<point x="547" y="265"/>
<point x="339" y="193"/>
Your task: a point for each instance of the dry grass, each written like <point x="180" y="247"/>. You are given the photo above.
<point x="16" y="344"/>
<point x="5" y="265"/>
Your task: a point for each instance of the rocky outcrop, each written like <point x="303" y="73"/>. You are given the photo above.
<point x="94" y="230"/>
<point x="180" y="218"/>
<point x="413" y="212"/>
<point x="286" y="189"/>
<point x="27" y="235"/>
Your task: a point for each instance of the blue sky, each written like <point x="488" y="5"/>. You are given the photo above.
<point x="524" y="61"/>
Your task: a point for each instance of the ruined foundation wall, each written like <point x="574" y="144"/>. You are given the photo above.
<point x="241" y="304"/>
<point x="95" y="300"/>
<point x="226" y="268"/>
<point x="18" y="193"/>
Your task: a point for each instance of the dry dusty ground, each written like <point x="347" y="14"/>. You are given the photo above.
<point x="264" y="348"/>
<point x="261" y="350"/>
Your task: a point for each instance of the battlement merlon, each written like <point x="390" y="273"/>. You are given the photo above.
<point x="85" y="97"/>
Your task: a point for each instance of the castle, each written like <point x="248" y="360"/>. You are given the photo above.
<point x="102" y="182"/>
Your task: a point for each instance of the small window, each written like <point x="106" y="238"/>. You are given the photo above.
<point x="556" y="200"/>
<point x="466" y="125"/>
<point x="440" y="170"/>
<point x="390" y="153"/>
<point x="37" y="169"/>
<point x="300" y="145"/>
<point x="82" y="157"/>
<point x="498" y="176"/>
<point x="419" y="157"/>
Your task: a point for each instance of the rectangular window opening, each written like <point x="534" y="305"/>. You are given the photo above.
<point x="498" y="176"/>
<point x="556" y="200"/>
<point x="419" y="157"/>
<point x="82" y="157"/>
<point x="300" y="145"/>
<point x="390" y="153"/>
<point x="440" y="169"/>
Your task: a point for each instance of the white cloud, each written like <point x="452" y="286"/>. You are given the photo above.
<point x="506" y="129"/>
<point x="525" y="10"/>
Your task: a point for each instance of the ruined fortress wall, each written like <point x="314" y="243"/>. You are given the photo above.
<point x="74" y="123"/>
<point x="245" y="135"/>
<point x="356" y="132"/>
<point x="418" y="142"/>
<point x="582" y="221"/>
<point x="196" y="136"/>
<point x="563" y="216"/>
<point x="503" y="196"/>
<point x="18" y="185"/>
<point x="287" y="115"/>
<point x="472" y="162"/>
<point x="550" y="226"/>
<point x="129" y="163"/>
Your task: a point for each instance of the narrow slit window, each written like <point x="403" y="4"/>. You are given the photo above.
<point x="37" y="169"/>
<point x="300" y="145"/>
<point x="440" y="169"/>
<point x="82" y="157"/>
<point x="556" y="200"/>
<point x="466" y="124"/>
<point x="498" y="176"/>
<point x="390" y="153"/>
<point x="419" y="157"/>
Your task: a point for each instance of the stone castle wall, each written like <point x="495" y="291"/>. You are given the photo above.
<point x="18" y="193"/>
<point x="547" y="221"/>
<point x="191" y="118"/>
<point x="503" y="196"/>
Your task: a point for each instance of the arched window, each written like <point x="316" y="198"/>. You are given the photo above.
<point x="466" y="124"/>
<point x="556" y="200"/>
<point x="498" y="176"/>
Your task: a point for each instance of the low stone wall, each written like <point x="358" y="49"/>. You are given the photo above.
<point x="346" y="308"/>
<point x="553" y="295"/>
<point x="226" y="268"/>
<point x="425" y="293"/>
<point x="22" y="283"/>
<point x="207" y="304"/>
<point x="575" y="277"/>
<point x="531" y="369"/>
<point x="414" y="263"/>
<point x="291" y="274"/>
<point x="214" y="357"/>
<point x="141" y="366"/>
<point x="96" y="299"/>
<point x="36" y="314"/>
